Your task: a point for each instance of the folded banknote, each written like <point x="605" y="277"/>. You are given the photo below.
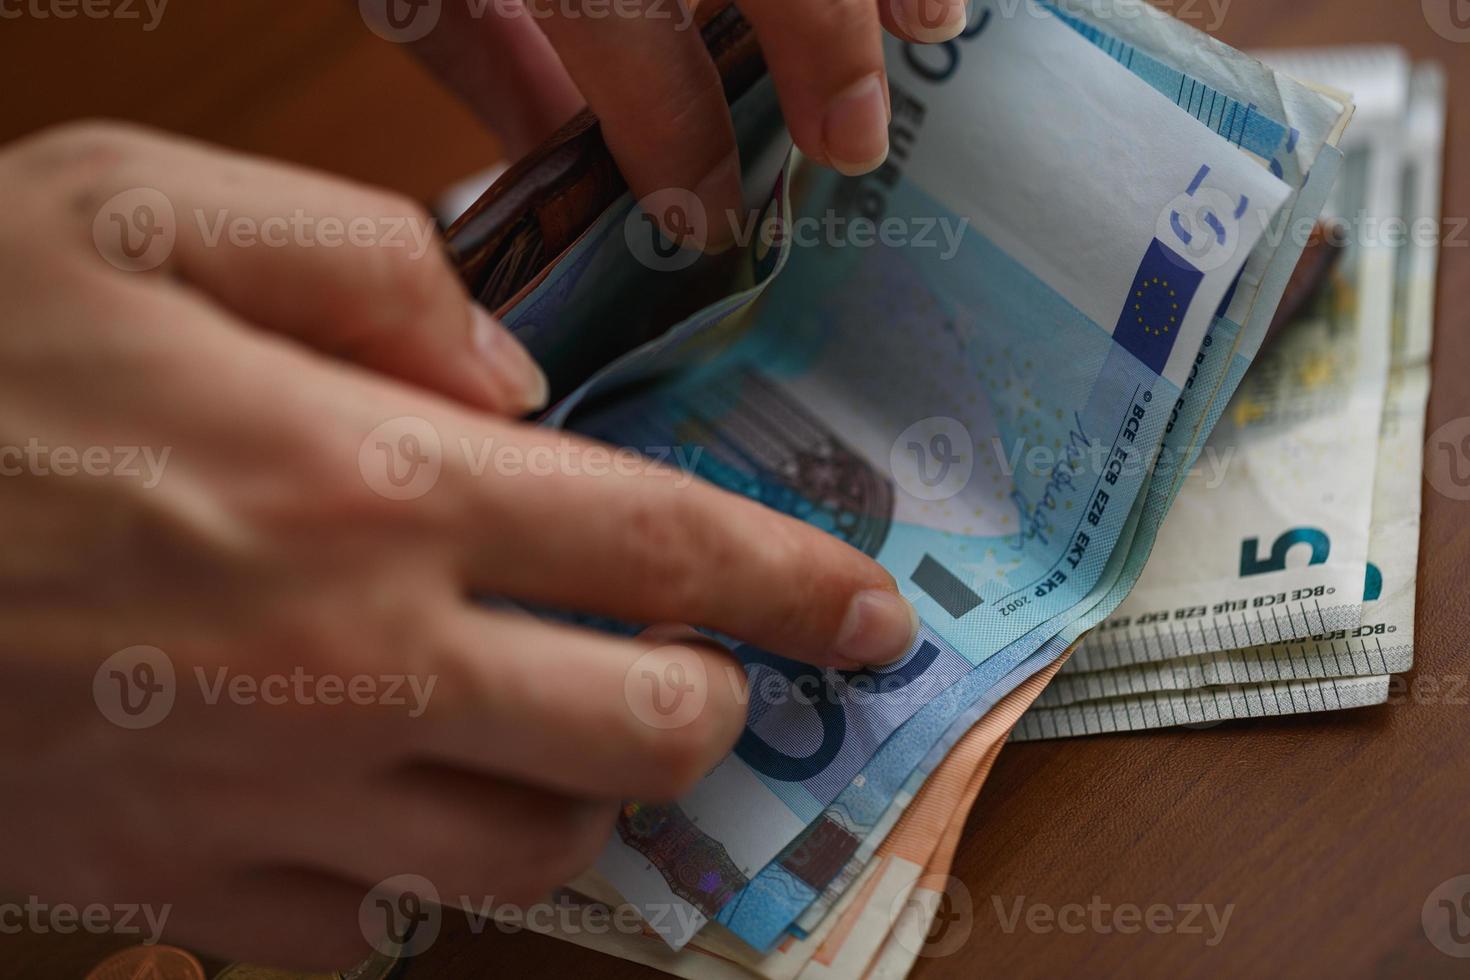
<point x="1217" y="369"/>
<point x="853" y="359"/>
<point x="1267" y="542"/>
<point x="1410" y="114"/>
<point x="1077" y="248"/>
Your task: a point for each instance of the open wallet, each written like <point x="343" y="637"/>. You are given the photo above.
<point x="536" y="215"/>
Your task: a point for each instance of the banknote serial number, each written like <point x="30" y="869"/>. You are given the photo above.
<point x="1015" y="605"/>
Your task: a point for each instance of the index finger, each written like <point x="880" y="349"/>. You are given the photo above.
<point x="647" y="543"/>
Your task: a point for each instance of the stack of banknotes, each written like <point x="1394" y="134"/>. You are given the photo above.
<point x="1309" y="485"/>
<point x="1086" y="227"/>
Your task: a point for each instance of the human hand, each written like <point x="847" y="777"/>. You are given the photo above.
<point x="271" y="377"/>
<point x="644" y="71"/>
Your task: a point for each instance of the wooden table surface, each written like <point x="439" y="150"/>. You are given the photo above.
<point x="1325" y="833"/>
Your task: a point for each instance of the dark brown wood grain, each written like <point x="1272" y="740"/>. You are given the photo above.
<point x="1325" y="833"/>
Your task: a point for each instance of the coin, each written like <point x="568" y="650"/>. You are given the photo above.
<point x="148" y="963"/>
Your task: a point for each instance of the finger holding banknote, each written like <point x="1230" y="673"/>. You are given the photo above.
<point x="837" y="105"/>
<point x="648" y="542"/>
<point x="662" y="105"/>
<point x="659" y="98"/>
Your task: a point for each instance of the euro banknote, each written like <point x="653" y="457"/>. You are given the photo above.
<point x="854" y="810"/>
<point x="852" y="356"/>
<point x="847" y="936"/>
<point x="906" y="934"/>
<point x="1383" y="643"/>
<point x="1202" y="706"/>
<point x="1268" y="540"/>
<point x="1234" y="121"/>
<point x="878" y="904"/>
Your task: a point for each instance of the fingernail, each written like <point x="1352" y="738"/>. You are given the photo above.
<point x="879" y="628"/>
<point x="855" y="133"/>
<point x="519" y="380"/>
<point x="931" y="21"/>
<point x="721" y="193"/>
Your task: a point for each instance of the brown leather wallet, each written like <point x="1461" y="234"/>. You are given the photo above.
<point x="543" y="204"/>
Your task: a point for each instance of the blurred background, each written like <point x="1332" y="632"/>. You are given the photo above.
<point x="306" y="81"/>
<point x="298" y="80"/>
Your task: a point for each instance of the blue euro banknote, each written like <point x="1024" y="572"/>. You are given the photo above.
<point x="1064" y="327"/>
<point x="1219" y="366"/>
